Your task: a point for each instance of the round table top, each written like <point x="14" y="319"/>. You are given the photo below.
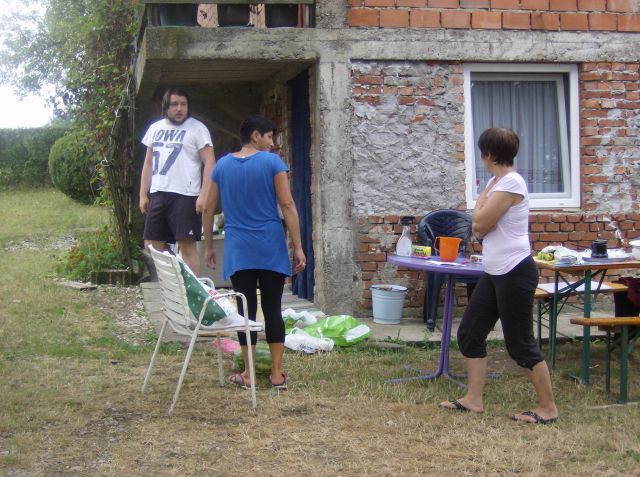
<point x="462" y="266"/>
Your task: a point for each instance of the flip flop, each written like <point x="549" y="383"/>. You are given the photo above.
<point x="537" y="418"/>
<point x="238" y="380"/>
<point x="282" y="386"/>
<point x="458" y="406"/>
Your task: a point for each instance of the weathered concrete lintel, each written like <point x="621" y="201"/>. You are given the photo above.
<point x="405" y="44"/>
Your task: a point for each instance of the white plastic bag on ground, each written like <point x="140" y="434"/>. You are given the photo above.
<point x="299" y="340"/>
<point x="300" y="319"/>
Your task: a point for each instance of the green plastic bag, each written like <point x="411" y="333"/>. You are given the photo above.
<point x="344" y="330"/>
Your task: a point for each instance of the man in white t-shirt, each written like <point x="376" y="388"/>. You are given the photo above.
<point x="171" y="190"/>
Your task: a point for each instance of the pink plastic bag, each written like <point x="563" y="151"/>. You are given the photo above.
<point x="227" y="345"/>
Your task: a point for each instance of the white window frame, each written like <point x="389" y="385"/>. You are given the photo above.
<point x="571" y="197"/>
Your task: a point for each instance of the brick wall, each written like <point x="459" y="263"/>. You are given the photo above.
<point x="550" y="15"/>
<point x="378" y="235"/>
<point x="610" y="135"/>
<point x="610" y="156"/>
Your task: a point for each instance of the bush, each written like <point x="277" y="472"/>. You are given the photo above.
<point x="95" y="250"/>
<point x="24" y="155"/>
<point x="72" y="166"/>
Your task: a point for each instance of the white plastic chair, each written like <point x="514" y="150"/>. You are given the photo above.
<point x="175" y="307"/>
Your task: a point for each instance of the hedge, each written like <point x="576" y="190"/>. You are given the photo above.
<point x="24" y="155"/>
<point x="71" y="167"/>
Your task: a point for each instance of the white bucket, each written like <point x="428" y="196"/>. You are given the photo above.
<point x="388" y="301"/>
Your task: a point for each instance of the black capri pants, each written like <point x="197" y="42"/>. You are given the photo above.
<point x="271" y="285"/>
<point x="508" y="297"/>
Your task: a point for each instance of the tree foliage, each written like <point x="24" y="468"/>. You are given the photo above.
<point x="72" y="167"/>
<point x="24" y="155"/>
<point x="82" y="47"/>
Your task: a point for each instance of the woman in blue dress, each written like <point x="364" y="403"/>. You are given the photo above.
<point x="249" y="185"/>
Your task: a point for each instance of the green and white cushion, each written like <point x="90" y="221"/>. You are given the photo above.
<point x="220" y="313"/>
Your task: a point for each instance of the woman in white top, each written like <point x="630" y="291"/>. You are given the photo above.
<point x="506" y="289"/>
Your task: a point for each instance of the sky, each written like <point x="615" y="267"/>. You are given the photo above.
<point x="31" y="112"/>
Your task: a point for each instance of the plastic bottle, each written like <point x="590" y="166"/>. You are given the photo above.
<point x="403" y="247"/>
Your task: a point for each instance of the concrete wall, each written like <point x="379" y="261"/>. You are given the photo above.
<point x="387" y="110"/>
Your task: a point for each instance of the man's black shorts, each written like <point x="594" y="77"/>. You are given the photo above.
<point x="172" y="217"/>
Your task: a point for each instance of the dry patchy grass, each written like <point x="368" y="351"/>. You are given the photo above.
<point x="71" y="404"/>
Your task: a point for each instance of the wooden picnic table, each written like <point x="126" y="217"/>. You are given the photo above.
<point x="586" y="271"/>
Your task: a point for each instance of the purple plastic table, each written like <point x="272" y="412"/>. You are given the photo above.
<point x="461" y="267"/>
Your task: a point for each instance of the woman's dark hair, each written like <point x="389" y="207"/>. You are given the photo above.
<point x="501" y="143"/>
<point x="166" y="99"/>
<point x="255" y="122"/>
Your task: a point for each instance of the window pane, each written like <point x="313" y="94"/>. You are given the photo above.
<point x="531" y="108"/>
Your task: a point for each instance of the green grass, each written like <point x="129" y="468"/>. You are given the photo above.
<point x="46" y="212"/>
<point x="71" y="402"/>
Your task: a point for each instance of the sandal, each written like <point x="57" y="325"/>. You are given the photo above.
<point x="537" y="418"/>
<point x="456" y="405"/>
<point x="238" y="380"/>
<point x="282" y="386"/>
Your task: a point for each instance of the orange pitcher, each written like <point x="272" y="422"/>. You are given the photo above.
<point x="448" y="248"/>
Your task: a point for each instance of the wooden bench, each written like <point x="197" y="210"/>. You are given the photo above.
<point x="544" y="297"/>
<point x="629" y="328"/>
<point x="612" y="287"/>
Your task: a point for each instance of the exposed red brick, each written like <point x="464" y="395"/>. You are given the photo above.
<point x="623" y="6"/>
<point x="367" y="79"/>
<point x="361" y="17"/>
<point x="592" y="5"/>
<point x="487" y="20"/>
<point x="563" y="5"/>
<point x="574" y="21"/>
<point x="394" y="18"/>
<point x="355" y="3"/>
<point x="554" y="237"/>
<point x="411" y="3"/>
<point x="424" y="19"/>
<point x="505" y="4"/>
<point x="603" y="21"/>
<point x="455" y="19"/>
<point x="379" y="3"/>
<point x="516" y="21"/>
<point x="443" y="3"/>
<point x="545" y="21"/>
<point x="534" y="4"/>
<point x="629" y="23"/>
<point x="475" y="3"/>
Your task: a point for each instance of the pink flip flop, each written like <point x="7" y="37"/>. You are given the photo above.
<point x="238" y="380"/>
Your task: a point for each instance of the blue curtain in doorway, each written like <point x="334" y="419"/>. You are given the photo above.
<point x="303" y="283"/>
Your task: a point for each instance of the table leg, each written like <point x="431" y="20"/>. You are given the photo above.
<point x="553" y="316"/>
<point x="443" y="362"/>
<point x="586" y="330"/>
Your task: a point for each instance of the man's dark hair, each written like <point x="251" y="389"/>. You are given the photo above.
<point x="166" y="100"/>
<point x="255" y="122"/>
<point x="501" y="143"/>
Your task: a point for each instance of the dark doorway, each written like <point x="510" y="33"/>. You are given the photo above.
<point x="303" y="283"/>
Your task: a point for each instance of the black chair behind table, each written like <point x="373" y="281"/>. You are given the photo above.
<point x="445" y="223"/>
